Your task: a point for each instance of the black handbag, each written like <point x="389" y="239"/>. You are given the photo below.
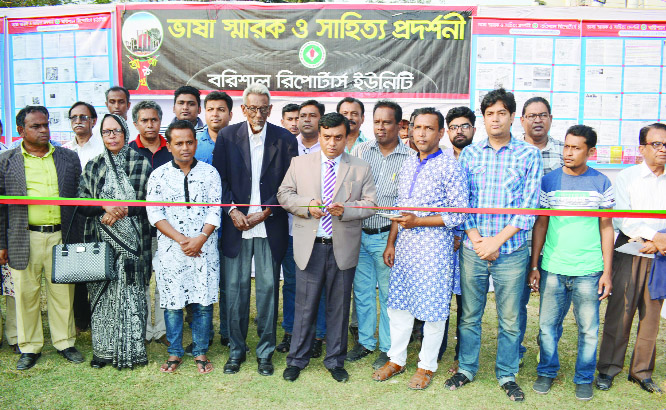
<point x="82" y="262"/>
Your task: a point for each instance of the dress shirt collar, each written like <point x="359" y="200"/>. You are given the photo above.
<point x="646" y="171"/>
<point x="26" y="153"/>
<point x="302" y="148"/>
<point x="324" y="158"/>
<point x="399" y="149"/>
<point x="261" y="134"/>
<point x="511" y="145"/>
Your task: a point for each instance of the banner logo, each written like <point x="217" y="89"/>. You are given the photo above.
<point x="312" y="54"/>
<point x="142" y="34"/>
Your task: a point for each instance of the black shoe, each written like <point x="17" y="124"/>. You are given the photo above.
<point x="584" y="391"/>
<point x="315" y="351"/>
<point x="357" y="353"/>
<point x="15" y="349"/>
<point x="646" y="384"/>
<point x="190" y="347"/>
<point x="542" y="384"/>
<point x="339" y="374"/>
<point x="381" y="360"/>
<point x="354" y="332"/>
<point x="604" y="382"/>
<point x="233" y="365"/>
<point x="265" y="367"/>
<point x="71" y="354"/>
<point x="285" y="344"/>
<point x="95" y="363"/>
<point x="224" y="341"/>
<point x="291" y="373"/>
<point x="27" y="361"/>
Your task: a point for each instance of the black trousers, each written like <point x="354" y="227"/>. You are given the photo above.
<point x="322" y="272"/>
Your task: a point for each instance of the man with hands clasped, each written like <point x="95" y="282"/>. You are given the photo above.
<point x="187" y="274"/>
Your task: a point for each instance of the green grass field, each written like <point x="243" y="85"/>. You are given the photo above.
<point x="56" y="384"/>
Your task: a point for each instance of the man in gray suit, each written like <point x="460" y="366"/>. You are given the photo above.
<point x="320" y="190"/>
<point x="29" y="232"/>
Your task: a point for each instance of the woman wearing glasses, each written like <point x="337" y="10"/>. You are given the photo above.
<point x="118" y="307"/>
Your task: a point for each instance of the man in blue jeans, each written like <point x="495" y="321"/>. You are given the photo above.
<point x="385" y="156"/>
<point x="187" y="261"/>
<point x="577" y="259"/>
<point x="503" y="172"/>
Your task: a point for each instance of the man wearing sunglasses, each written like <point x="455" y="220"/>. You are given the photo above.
<point x="83" y="117"/>
<point x="536" y="120"/>
<point x="252" y="158"/>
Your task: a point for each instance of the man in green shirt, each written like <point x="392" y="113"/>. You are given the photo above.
<point x="577" y="258"/>
<point x="28" y="233"/>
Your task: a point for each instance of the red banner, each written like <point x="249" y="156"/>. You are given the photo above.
<point x="76" y="22"/>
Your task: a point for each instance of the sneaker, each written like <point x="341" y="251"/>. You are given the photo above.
<point x="357" y="353"/>
<point x="584" y="391"/>
<point x="542" y="384"/>
<point x="381" y="360"/>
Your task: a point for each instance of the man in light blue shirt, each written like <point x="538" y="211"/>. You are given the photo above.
<point x="217" y="111"/>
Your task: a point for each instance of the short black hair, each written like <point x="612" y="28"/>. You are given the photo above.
<point x="500" y="94"/>
<point x="117" y="88"/>
<point x="320" y="106"/>
<point x="187" y="89"/>
<point x="179" y="125"/>
<point x="93" y="112"/>
<point x="220" y="96"/>
<point x="397" y="110"/>
<point x="433" y="111"/>
<point x="536" y="100"/>
<point x="586" y="132"/>
<point x="333" y="119"/>
<point x="351" y="100"/>
<point x="457" y="112"/>
<point x="642" y="135"/>
<point x="291" y="107"/>
<point x="29" y="109"/>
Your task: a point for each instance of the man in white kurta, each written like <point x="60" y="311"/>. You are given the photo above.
<point x="187" y="263"/>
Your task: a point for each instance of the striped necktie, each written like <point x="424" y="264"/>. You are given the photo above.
<point x="329" y="184"/>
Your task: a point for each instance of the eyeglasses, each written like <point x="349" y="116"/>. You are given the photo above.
<point x="531" y="117"/>
<point x="82" y="118"/>
<point x="117" y="132"/>
<point x="463" y="127"/>
<point x="657" y="145"/>
<point x="264" y="110"/>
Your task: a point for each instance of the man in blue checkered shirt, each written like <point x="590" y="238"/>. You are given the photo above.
<point x="503" y="172"/>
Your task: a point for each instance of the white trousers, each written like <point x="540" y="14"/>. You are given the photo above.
<point x="401" y="323"/>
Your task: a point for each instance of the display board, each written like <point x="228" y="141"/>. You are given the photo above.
<point x="608" y="75"/>
<point x="56" y="61"/>
<point x="363" y="50"/>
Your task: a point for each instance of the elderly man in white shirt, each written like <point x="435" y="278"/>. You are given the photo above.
<point x="640" y="187"/>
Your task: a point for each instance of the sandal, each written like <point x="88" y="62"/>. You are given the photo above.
<point x="457" y="381"/>
<point x="204" y="366"/>
<point x="454" y="367"/>
<point x="170" y="366"/>
<point x="514" y="391"/>
<point x="421" y="379"/>
<point x="387" y="371"/>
